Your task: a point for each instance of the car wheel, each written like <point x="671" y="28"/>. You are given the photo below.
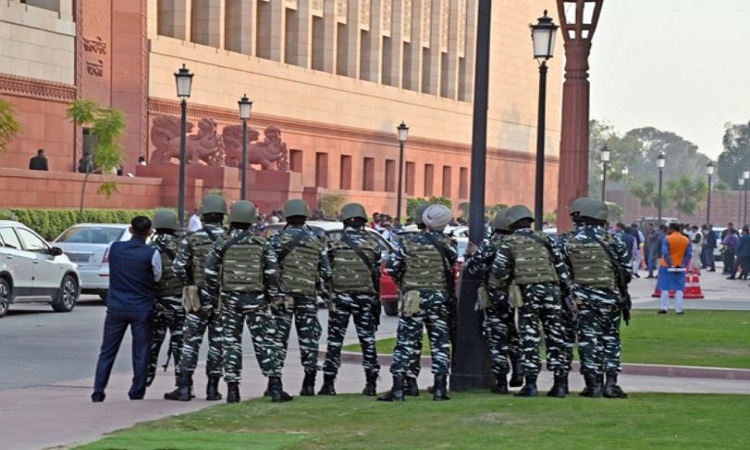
<point x="4" y="296"/>
<point x="67" y="295"/>
<point x="390" y="308"/>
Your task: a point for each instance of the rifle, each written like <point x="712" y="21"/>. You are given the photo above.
<point x="625" y="301"/>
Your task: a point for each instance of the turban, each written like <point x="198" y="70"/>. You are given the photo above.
<point x="436" y="217"/>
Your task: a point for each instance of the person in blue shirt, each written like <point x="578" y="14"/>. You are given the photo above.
<point x="134" y="269"/>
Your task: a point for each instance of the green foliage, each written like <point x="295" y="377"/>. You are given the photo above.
<point x="51" y="222"/>
<point x="331" y="204"/>
<point x="687" y="193"/>
<point x="736" y="155"/>
<point x="616" y="212"/>
<point x="440" y="201"/>
<point x="550" y="217"/>
<point x="9" y="126"/>
<point x="83" y="111"/>
<point x="414" y="202"/>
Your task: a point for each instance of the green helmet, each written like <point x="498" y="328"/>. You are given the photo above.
<point x="418" y="211"/>
<point x="352" y="211"/>
<point x="577" y="205"/>
<point x="242" y="211"/>
<point x="594" y="209"/>
<point x="214" y="204"/>
<point x="296" y="207"/>
<point x="516" y="213"/>
<point x="167" y="219"/>
<point x="499" y="222"/>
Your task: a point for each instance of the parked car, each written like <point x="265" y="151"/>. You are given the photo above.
<point x="87" y="244"/>
<point x="33" y="270"/>
<point x="717" y="232"/>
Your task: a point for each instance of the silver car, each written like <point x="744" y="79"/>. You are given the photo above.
<point x="33" y="270"/>
<point x="87" y="244"/>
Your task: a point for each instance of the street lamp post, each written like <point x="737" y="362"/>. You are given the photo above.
<point x="605" y="161"/>
<point x="246" y="106"/>
<point x="184" y="81"/>
<point x="661" y="161"/>
<point x="710" y="171"/>
<point x="745" y="176"/>
<point x="741" y="184"/>
<point x="403" y="133"/>
<point x="543" y="37"/>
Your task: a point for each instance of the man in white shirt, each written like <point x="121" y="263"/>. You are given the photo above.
<point x="194" y="224"/>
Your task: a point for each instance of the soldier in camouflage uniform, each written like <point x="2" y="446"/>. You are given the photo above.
<point x="594" y="287"/>
<point x="169" y="313"/>
<point x="235" y="271"/>
<point x="535" y="265"/>
<point x="422" y="266"/>
<point x="355" y="282"/>
<point x="189" y="267"/>
<point x="301" y="261"/>
<point x="499" y="325"/>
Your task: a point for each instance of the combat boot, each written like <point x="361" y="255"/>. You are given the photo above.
<point x="440" y="388"/>
<point x="276" y="391"/>
<point x="328" y="387"/>
<point x="371" y="385"/>
<point x="529" y="389"/>
<point x="516" y="377"/>
<point x="212" y="389"/>
<point x="501" y="384"/>
<point x="308" y="384"/>
<point x="611" y="389"/>
<point x="593" y="389"/>
<point x="183" y="392"/>
<point x="412" y="388"/>
<point x="397" y="391"/>
<point x="233" y="392"/>
<point x="558" y="387"/>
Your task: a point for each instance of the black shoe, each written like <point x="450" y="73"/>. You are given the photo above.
<point x="411" y="388"/>
<point x="516" y="377"/>
<point x="183" y="393"/>
<point x="440" y="389"/>
<point x="661" y="311"/>
<point x="276" y="390"/>
<point x="150" y="379"/>
<point x="611" y="389"/>
<point x="328" y="387"/>
<point x="501" y="384"/>
<point x="233" y="392"/>
<point x="308" y="384"/>
<point x="529" y="389"/>
<point x="97" y="397"/>
<point x="636" y="275"/>
<point x="731" y="278"/>
<point x="593" y="388"/>
<point x="212" y="389"/>
<point x="396" y="393"/>
<point x="558" y="388"/>
<point x="371" y="385"/>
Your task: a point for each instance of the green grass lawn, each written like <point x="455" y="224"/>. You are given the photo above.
<point x="697" y="338"/>
<point x="469" y="421"/>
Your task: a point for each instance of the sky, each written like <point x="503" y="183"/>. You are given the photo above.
<point x="677" y="65"/>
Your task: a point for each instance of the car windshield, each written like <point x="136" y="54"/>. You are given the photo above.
<point x="93" y="235"/>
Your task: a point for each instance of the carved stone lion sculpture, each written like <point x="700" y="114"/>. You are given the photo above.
<point x="271" y="154"/>
<point x="232" y="138"/>
<point x="204" y="146"/>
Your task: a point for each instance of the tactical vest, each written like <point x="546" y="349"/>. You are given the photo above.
<point x="492" y="280"/>
<point x="242" y="267"/>
<point x="201" y="244"/>
<point x="424" y="267"/>
<point x="299" y="269"/>
<point x="350" y="274"/>
<point x="532" y="261"/>
<point x="169" y="285"/>
<point x="591" y="265"/>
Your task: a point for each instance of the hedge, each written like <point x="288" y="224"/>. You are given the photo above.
<point x="51" y="222"/>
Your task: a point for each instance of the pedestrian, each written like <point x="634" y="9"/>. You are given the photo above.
<point x="194" y="224"/>
<point x="169" y="313"/>
<point x="142" y="161"/>
<point x="302" y="261"/>
<point x="134" y="268"/>
<point x="676" y="253"/>
<point x="599" y="276"/>
<point x="743" y="255"/>
<point x="423" y="268"/>
<point x="498" y="326"/>
<point x="654" y="249"/>
<point x="535" y="264"/>
<point x="236" y="271"/>
<point x="202" y="309"/>
<point x="638" y="251"/>
<point x="355" y="283"/>
<point x="697" y="241"/>
<point x="39" y="162"/>
<point x="709" y="237"/>
<point x="729" y="251"/>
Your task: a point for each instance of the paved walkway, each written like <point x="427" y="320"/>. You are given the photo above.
<point x="62" y="415"/>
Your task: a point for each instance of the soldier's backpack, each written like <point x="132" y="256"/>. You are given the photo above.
<point x="424" y="266"/>
<point x="532" y="259"/>
<point x="352" y="265"/>
<point x="242" y="264"/>
<point x="169" y="285"/>
<point x="201" y="244"/>
<point x="298" y="262"/>
<point x="590" y="263"/>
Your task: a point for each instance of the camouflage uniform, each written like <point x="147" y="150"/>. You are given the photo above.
<point x="292" y="286"/>
<point x="354" y="293"/>
<point x="542" y="299"/>
<point x="169" y="311"/>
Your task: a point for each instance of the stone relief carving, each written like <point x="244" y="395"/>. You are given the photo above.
<point x="209" y="147"/>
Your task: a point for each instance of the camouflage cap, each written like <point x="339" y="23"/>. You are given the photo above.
<point x="243" y="211"/>
<point x="166" y="219"/>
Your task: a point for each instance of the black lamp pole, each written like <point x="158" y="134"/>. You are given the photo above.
<point x="605" y="161"/>
<point x="661" y="161"/>
<point x="403" y="133"/>
<point x="710" y="171"/>
<point x="746" y="177"/>
<point x="183" y="79"/>
<point x="245" y="107"/>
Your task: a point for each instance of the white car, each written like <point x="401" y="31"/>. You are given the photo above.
<point x="87" y="244"/>
<point x="33" y="270"/>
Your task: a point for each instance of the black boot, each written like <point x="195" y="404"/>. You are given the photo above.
<point x="308" y="384"/>
<point x="558" y="388"/>
<point x="371" y="386"/>
<point x="276" y="391"/>
<point x="411" y="389"/>
<point x="212" y="389"/>
<point x="529" y="389"/>
<point x="440" y="388"/>
<point x="233" y="392"/>
<point x="397" y="391"/>
<point x="501" y="384"/>
<point x="328" y="387"/>
<point x="593" y="389"/>
<point x="516" y="377"/>
<point x="182" y="393"/>
<point x="611" y="389"/>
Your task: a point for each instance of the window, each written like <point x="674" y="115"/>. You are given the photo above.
<point x="10" y="240"/>
<point x="409" y="177"/>
<point x="463" y="182"/>
<point x="31" y="241"/>
<point x="447" y="182"/>
<point x="429" y="179"/>
<point x="390" y="175"/>
<point x="345" y="177"/>
<point x="321" y="170"/>
<point x="295" y="160"/>
<point x="368" y="175"/>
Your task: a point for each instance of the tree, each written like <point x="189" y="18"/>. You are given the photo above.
<point x="736" y="155"/>
<point x="687" y="193"/>
<point x="331" y="204"/>
<point x="9" y="126"/>
<point x="107" y="126"/>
